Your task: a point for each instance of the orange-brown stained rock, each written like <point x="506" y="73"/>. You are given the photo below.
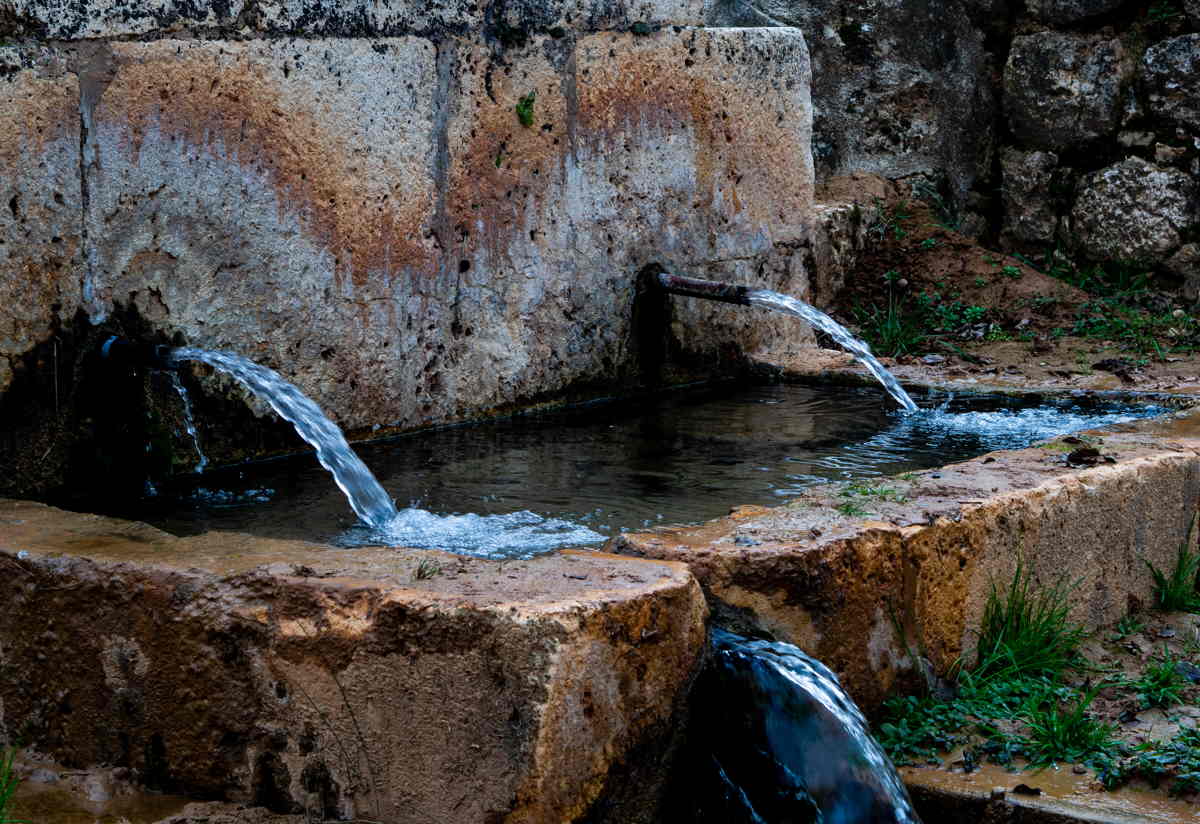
<point x="845" y="588"/>
<point x="39" y="204"/>
<point x="341" y="681"/>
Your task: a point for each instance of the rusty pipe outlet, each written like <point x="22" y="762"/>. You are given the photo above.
<point x="707" y="289"/>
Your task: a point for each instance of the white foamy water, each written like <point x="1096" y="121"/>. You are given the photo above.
<point x="511" y="535"/>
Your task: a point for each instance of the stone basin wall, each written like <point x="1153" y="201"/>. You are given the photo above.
<point x="348" y="193"/>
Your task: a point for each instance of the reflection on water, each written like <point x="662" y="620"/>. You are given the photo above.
<point x="680" y="459"/>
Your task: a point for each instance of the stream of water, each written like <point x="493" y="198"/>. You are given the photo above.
<point x="774" y="738"/>
<point x="819" y="320"/>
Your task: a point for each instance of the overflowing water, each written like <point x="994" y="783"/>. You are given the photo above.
<point x="189" y="420"/>
<point x="818" y="319"/>
<point x="774" y="738"/>
<point x="366" y="496"/>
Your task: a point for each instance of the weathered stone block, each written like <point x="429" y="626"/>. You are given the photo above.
<point x="64" y="20"/>
<point x="1170" y="77"/>
<point x="1030" y="203"/>
<point x="840" y="587"/>
<point x="275" y="199"/>
<point x="1069" y="11"/>
<point x="343" y="684"/>
<point x="40" y="212"/>
<point x="899" y="89"/>
<point x="511" y="23"/>
<point x="1134" y="211"/>
<point x="1061" y="90"/>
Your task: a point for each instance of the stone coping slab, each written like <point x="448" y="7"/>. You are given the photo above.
<point x="909" y="568"/>
<point x="398" y="685"/>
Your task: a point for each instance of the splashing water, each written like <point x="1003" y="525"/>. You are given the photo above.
<point x="779" y="740"/>
<point x="818" y="319"/>
<point x="515" y="534"/>
<point x="189" y="421"/>
<point x="366" y="496"/>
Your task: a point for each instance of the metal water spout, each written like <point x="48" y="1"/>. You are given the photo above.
<point x="708" y="289"/>
<point x="118" y="351"/>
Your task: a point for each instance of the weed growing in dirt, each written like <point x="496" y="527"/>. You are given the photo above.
<point x="890" y="330"/>
<point x="8" y="784"/>
<point x="1025" y="630"/>
<point x="1061" y="733"/>
<point x="1177" y="592"/>
<point x="1129" y="625"/>
<point x="1161" y="683"/>
<point x="890" y="220"/>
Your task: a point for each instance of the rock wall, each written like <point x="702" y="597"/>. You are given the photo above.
<point x="420" y="213"/>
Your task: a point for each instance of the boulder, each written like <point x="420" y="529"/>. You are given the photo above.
<point x="1069" y="11"/>
<point x="1030" y="202"/>
<point x="1170" y="78"/>
<point x="1185" y="264"/>
<point x="1063" y="90"/>
<point x="1134" y="211"/>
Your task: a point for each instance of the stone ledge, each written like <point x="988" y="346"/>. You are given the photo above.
<point x="300" y="677"/>
<point x="838" y="586"/>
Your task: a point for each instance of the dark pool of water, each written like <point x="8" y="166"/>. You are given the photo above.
<point x="683" y="458"/>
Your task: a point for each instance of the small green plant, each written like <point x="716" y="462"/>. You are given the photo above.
<point x="890" y="330"/>
<point x="426" y="569"/>
<point x="879" y="493"/>
<point x="997" y="333"/>
<point x="1064" y="733"/>
<point x="889" y="220"/>
<point x="8" y="784"/>
<point x="850" y="509"/>
<point x="1129" y="625"/>
<point x="1162" y="11"/>
<point x="1178" y="759"/>
<point x="1026" y="630"/>
<point x="524" y="109"/>
<point x="1161" y="682"/>
<point x="1010" y="271"/>
<point x="981" y="282"/>
<point x="929" y="243"/>
<point x="1177" y="592"/>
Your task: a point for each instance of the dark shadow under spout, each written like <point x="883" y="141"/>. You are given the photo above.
<point x="708" y="289"/>
<point x="118" y="351"/>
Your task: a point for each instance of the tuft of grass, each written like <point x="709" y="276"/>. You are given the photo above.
<point x="426" y="569"/>
<point x="1129" y="625"/>
<point x="1177" y="592"/>
<point x="890" y="330"/>
<point x="1026" y="630"/>
<point x="1064" y="733"/>
<point x="8" y="784"/>
<point x="851" y="510"/>
<point x="879" y="493"/>
<point x="524" y="109"/>
<point x="1161" y="683"/>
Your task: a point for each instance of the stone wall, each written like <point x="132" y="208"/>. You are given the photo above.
<point x="349" y="194"/>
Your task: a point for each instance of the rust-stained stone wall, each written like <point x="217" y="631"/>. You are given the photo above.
<point x="368" y="215"/>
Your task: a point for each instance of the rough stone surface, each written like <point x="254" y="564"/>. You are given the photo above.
<point x="1063" y="90"/>
<point x="1069" y="11"/>
<point x="899" y="89"/>
<point x="66" y="20"/>
<point x="1192" y="9"/>
<point x="1170" y="76"/>
<point x="1185" y="264"/>
<point x="1030" y="202"/>
<point x="40" y="231"/>
<point x="1134" y="211"/>
<point x="343" y="685"/>
<point x="835" y="585"/>
<point x="372" y="219"/>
